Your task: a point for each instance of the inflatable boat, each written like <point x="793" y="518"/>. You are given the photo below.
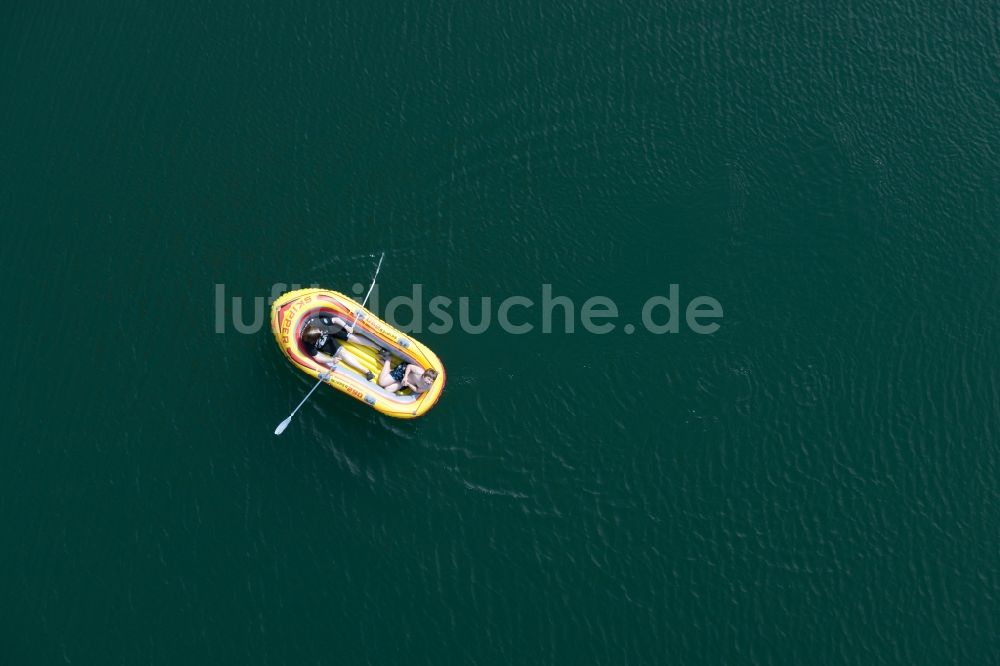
<point x="292" y="311"/>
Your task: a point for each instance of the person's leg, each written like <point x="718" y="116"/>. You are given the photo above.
<point x="353" y="337"/>
<point x="363" y="341"/>
<point x="351" y="360"/>
<point x="385" y="377"/>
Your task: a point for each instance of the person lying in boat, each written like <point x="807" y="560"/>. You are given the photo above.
<point x="326" y="348"/>
<point x="337" y="327"/>
<point x="405" y="375"/>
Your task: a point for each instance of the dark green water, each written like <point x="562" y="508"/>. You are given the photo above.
<point x="816" y="482"/>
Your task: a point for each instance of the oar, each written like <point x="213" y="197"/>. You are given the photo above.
<point x="284" y="424"/>
<point x="326" y="375"/>
<point x="350" y="329"/>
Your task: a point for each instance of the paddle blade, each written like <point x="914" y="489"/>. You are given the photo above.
<point x="281" y="426"/>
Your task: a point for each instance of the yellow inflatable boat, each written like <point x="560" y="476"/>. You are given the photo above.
<point x="289" y="315"/>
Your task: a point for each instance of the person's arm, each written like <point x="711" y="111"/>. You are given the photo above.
<point x="326" y="359"/>
<point x="411" y="378"/>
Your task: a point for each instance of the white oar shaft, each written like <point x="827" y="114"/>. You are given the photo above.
<point x="323" y="378"/>
<point x="326" y="375"/>
<point x="350" y="329"/>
